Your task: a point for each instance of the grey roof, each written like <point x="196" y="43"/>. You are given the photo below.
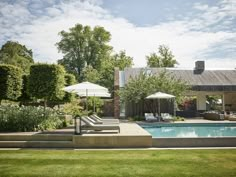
<point x="207" y="80"/>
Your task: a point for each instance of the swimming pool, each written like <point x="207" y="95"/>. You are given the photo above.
<point x="188" y="130"/>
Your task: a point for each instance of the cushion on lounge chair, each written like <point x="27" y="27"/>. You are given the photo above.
<point x="91" y="126"/>
<point x="149" y="117"/>
<point x="95" y="117"/>
<point x="166" y="117"/>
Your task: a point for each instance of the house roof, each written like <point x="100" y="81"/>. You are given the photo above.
<point x="200" y="80"/>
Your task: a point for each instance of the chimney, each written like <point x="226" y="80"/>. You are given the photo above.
<point x="199" y="65"/>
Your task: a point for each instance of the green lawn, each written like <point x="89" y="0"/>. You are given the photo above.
<point x="112" y="163"/>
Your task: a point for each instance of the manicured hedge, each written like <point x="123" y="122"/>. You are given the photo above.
<point x="46" y="81"/>
<point x="25" y="97"/>
<point x="10" y="82"/>
<point x="28" y="118"/>
<point x="70" y="80"/>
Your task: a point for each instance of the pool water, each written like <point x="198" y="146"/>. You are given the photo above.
<point x="191" y="130"/>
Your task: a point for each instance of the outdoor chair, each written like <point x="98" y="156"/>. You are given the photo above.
<point x="166" y="117"/>
<point x="98" y="119"/>
<point x="88" y="125"/>
<point x="102" y="121"/>
<point x="150" y="117"/>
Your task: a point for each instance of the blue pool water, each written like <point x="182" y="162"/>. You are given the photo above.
<point x="191" y="130"/>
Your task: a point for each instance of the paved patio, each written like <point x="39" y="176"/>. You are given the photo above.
<point x="131" y="135"/>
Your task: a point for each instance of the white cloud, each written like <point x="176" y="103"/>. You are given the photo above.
<point x="185" y="38"/>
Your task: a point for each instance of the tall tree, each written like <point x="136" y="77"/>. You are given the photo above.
<point x="90" y="74"/>
<point x="121" y="60"/>
<point x="108" y="64"/>
<point x="83" y="46"/>
<point x="164" y="58"/>
<point x="16" y="54"/>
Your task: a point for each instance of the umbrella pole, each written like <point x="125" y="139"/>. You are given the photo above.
<point x="94" y="103"/>
<point x="87" y="100"/>
<point x="174" y="106"/>
<point x="159" y="108"/>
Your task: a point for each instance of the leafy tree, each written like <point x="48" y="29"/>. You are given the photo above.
<point x="144" y="84"/>
<point x="16" y="54"/>
<point x="108" y="64"/>
<point x="74" y="108"/>
<point x="83" y="45"/>
<point x="165" y="58"/>
<point x="97" y="103"/>
<point x="69" y="80"/>
<point x="10" y="82"/>
<point x="90" y="74"/>
<point x="46" y="82"/>
<point x="121" y="60"/>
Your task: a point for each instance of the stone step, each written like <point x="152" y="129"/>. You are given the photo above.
<point x="35" y="137"/>
<point x="36" y="144"/>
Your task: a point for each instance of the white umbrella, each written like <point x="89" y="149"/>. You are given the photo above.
<point x="160" y="95"/>
<point x="85" y="89"/>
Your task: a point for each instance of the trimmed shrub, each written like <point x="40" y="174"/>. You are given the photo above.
<point x="28" y="118"/>
<point x="10" y="82"/>
<point x="25" y="97"/>
<point x="69" y="80"/>
<point x="46" y="82"/>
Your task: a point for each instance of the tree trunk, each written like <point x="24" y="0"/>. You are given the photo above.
<point x="45" y="104"/>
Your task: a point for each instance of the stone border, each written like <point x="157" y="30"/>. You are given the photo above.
<point x="195" y="142"/>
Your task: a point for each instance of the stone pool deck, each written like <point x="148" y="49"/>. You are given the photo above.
<point x="131" y="136"/>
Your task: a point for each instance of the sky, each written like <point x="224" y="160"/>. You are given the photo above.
<point x="193" y="29"/>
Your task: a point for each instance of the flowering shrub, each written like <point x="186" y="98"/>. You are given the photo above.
<point x="28" y="118"/>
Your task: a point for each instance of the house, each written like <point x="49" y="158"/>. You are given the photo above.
<point x="202" y="82"/>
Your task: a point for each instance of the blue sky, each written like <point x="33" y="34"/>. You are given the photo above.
<point x="194" y="30"/>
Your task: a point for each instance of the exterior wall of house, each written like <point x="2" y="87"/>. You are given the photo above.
<point x="230" y="101"/>
<point x="201" y="102"/>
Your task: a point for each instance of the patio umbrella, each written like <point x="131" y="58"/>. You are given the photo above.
<point x="158" y="96"/>
<point x="85" y="89"/>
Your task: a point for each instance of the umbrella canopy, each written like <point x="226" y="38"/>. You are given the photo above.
<point x="160" y="95"/>
<point x="86" y="89"/>
<point x="96" y="94"/>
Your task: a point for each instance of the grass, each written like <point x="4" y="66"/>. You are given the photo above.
<point x="117" y="163"/>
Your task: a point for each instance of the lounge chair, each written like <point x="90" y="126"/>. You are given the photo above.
<point x="166" y="117"/>
<point x="100" y="120"/>
<point x="88" y="125"/>
<point x="97" y="121"/>
<point x="150" y="117"/>
<point x="232" y="117"/>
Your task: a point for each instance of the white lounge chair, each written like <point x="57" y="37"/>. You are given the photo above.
<point x="88" y="125"/>
<point x="98" y="119"/>
<point x="166" y="117"/>
<point x="150" y="117"/>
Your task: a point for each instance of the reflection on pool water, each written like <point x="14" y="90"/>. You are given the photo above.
<point x="191" y="130"/>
